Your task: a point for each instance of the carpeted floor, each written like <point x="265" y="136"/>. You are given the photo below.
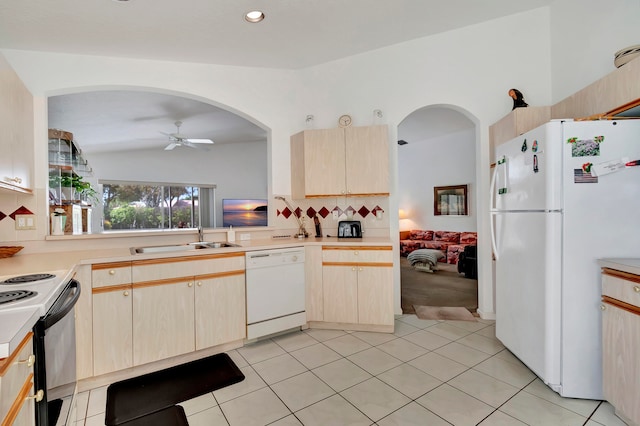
<point x="445" y="287"/>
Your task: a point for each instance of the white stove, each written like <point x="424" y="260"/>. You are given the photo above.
<point x="37" y="290"/>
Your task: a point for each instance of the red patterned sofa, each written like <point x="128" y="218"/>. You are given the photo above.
<point x="450" y="243"/>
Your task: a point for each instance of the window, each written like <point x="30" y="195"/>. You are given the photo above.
<point x="144" y="205"/>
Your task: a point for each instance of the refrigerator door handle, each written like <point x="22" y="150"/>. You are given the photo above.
<point x="492" y="188"/>
<point x="494" y="246"/>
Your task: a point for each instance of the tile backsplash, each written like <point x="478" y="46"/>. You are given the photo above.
<point x="371" y="211"/>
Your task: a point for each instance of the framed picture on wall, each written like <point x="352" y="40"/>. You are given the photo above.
<point x="450" y="200"/>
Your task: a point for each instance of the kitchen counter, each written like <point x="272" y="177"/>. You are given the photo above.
<point x="15" y="324"/>
<point x="630" y="265"/>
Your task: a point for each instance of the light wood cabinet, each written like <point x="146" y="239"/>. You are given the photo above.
<point x="357" y="286"/>
<point x="352" y="161"/>
<point x="163" y="320"/>
<point x="621" y="343"/>
<point x="517" y="122"/>
<point x="16" y="132"/>
<point x="220" y="308"/>
<point x="187" y="303"/>
<point x="112" y="329"/>
<point x="112" y="317"/>
<point x="16" y="385"/>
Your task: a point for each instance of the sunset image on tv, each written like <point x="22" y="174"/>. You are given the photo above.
<point x="244" y="212"/>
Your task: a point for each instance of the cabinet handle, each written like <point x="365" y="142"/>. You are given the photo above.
<point x="126" y="293"/>
<point x="112" y="272"/>
<point x="29" y="361"/>
<point x="39" y="396"/>
<point x="603" y="307"/>
<point x="360" y="269"/>
<point x="199" y="283"/>
<point x="353" y="268"/>
<point x="190" y="284"/>
<point x="355" y="253"/>
<point x="636" y="288"/>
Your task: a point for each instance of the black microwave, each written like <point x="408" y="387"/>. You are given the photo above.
<point x="349" y="229"/>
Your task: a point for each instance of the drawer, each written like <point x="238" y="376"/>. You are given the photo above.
<point x="14" y="372"/>
<point x="158" y="269"/>
<point x="110" y="274"/>
<point x="351" y="254"/>
<point x="620" y="286"/>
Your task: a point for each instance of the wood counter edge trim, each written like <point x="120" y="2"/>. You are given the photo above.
<point x="110" y="288"/>
<point x="214" y="275"/>
<point x="110" y="265"/>
<point x="8" y="361"/>
<point x="15" y="408"/>
<point x="376" y="194"/>
<point x="191" y="278"/>
<point x="157" y="261"/>
<point x="620" y="274"/>
<point x="362" y="248"/>
<point x="622" y="305"/>
<point x="375" y="264"/>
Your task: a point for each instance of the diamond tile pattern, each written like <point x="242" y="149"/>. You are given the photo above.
<point x="433" y="373"/>
<point x="20" y="210"/>
<point x="2" y="215"/>
<point x="311" y="212"/>
<point x="324" y="212"/>
<point x="363" y="211"/>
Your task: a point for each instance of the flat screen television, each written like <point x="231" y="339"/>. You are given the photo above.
<point x="244" y="212"/>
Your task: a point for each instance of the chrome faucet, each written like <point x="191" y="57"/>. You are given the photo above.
<point x="302" y="232"/>
<point x="200" y="234"/>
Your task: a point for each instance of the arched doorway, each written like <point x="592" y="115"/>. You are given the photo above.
<point x="437" y="148"/>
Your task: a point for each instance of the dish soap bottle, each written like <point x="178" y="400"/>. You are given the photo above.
<point x="231" y="234"/>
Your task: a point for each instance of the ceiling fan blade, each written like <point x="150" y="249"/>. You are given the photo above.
<point x="186" y="142"/>
<point x="209" y="141"/>
<point x="171" y="146"/>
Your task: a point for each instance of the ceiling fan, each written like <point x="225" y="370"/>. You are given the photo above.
<point x="178" y="139"/>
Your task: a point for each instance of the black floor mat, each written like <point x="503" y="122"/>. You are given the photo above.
<point x="172" y="416"/>
<point x="139" y="396"/>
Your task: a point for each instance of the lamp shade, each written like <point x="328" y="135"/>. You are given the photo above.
<point x="402" y="214"/>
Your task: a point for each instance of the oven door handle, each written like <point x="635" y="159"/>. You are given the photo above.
<point x="63" y="305"/>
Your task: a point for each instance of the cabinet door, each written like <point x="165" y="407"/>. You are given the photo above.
<point x="621" y="360"/>
<point x="163" y="320"/>
<point x="112" y="329"/>
<point x="324" y="162"/>
<point x="220" y="310"/>
<point x="367" y="160"/>
<point x="16" y="131"/>
<point x="313" y="283"/>
<point x="16" y="381"/>
<point x="340" y="294"/>
<point x="375" y="295"/>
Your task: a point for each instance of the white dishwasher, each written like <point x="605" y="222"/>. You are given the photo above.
<point x="275" y="291"/>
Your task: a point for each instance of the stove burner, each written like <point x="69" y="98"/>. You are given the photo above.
<point x="12" y="296"/>
<point x="27" y="278"/>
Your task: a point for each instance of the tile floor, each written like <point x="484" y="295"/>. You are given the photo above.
<point x="426" y="373"/>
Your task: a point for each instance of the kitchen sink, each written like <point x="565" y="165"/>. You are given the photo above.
<point x="181" y="247"/>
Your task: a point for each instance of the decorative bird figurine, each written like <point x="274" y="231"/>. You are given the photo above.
<point x="518" y="99"/>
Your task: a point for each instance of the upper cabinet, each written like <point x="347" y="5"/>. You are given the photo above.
<point x="352" y="161"/>
<point x="517" y="122"/>
<point x="16" y="132"/>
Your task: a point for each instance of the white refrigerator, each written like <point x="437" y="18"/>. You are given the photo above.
<point x="563" y="196"/>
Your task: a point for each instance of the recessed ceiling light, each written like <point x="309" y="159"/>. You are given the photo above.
<point x="254" y="16"/>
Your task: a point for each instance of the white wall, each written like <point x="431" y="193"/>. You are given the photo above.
<point x="442" y="161"/>
<point x="586" y="34"/>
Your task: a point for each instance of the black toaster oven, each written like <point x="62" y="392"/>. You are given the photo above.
<point x="349" y="229"/>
